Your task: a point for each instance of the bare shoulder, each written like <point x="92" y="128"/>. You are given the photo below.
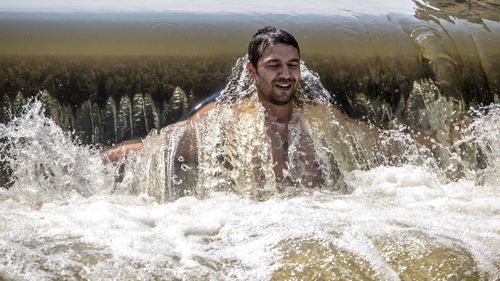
<point x="177" y="124"/>
<point x="202" y="111"/>
<point x="321" y="110"/>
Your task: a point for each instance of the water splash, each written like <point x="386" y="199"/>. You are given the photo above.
<point x="240" y="85"/>
<point x="482" y="136"/>
<point x="228" y="149"/>
<point x="397" y="222"/>
<point x="47" y="163"/>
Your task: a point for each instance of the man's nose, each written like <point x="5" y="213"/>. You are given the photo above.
<point x="285" y="72"/>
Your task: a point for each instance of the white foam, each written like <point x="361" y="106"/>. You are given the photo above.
<point x="101" y="236"/>
<point x="228" y="228"/>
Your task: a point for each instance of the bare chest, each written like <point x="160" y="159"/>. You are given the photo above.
<point x="293" y="155"/>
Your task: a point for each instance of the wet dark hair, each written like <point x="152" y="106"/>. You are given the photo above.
<point x="268" y="36"/>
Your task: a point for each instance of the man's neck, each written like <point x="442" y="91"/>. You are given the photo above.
<point x="281" y="113"/>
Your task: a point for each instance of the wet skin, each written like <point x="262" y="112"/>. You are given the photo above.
<point x="276" y="78"/>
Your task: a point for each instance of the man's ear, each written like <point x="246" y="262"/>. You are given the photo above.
<point x="251" y="70"/>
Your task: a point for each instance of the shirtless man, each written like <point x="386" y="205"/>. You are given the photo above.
<point x="274" y="68"/>
<point x="320" y="137"/>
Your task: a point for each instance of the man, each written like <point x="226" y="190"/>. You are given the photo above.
<point x="274" y="66"/>
<point x="271" y="138"/>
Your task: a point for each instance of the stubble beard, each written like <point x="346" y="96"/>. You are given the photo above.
<point x="277" y="97"/>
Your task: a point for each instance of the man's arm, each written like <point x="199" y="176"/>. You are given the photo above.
<point x="118" y="152"/>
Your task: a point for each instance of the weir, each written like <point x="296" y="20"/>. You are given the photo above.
<point x="111" y="74"/>
<point x="398" y="105"/>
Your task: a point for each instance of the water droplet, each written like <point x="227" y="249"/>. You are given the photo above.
<point x="176" y="180"/>
<point x="185" y="167"/>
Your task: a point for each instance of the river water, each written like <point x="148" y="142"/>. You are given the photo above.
<point x="426" y="215"/>
<point x="64" y="217"/>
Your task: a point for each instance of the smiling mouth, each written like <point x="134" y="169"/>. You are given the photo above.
<point x="283" y="85"/>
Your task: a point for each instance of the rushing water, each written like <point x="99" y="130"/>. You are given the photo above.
<point x="66" y="217"/>
<point x="111" y="70"/>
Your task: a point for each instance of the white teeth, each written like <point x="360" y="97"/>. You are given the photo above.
<point x="283" y="85"/>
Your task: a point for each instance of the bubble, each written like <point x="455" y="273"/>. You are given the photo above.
<point x="185" y="167"/>
<point x="176" y="180"/>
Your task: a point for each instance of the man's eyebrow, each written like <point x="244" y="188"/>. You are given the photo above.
<point x="273" y="61"/>
<point x="297" y="60"/>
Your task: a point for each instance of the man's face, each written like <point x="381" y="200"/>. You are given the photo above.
<point x="278" y="74"/>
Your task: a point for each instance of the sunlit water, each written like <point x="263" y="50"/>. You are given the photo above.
<point x="64" y="217"/>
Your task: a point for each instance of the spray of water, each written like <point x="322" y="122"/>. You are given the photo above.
<point x="399" y="215"/>
<point x="228" y="149"/>
<point x="46" y="163"/>
<point x="483" y="137"/>
<point x="239" y="84"/>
